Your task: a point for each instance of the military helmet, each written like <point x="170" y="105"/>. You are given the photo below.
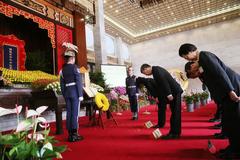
<point x="70" y="53"/>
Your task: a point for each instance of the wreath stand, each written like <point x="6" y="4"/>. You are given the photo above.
<point x="99" y="120"/>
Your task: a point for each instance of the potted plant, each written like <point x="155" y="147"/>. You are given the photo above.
<point x="97" y="78"/>
<point x="196" y="100"/>
<point x="203" y="98"/>
<point x="26" y="142"/>
<point x="189" y="99"/>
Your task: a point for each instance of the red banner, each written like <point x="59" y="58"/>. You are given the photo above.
<point x="63" y="35"/>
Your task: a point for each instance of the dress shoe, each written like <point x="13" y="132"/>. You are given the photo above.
<point x="214" y="120"/>
<point x="217" y="126"/>
<point x="74" y="138"/>
<point x="134" y="118"/>
<point x="228" y="154"/>
<point x="171" y="136"/>
<point x="221" y="151"/>
<point x="220" y="136"/>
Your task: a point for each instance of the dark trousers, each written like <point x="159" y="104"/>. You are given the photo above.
<point x="72" y="112"/>
<point x="175" y="120"/>
<point x="133" y="103"/>
<point x="230" y="122"/>
<point x="218" y="114"/>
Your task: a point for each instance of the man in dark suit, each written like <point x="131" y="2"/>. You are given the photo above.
<point x="218" y="114"/>
<point x="192" y="72"/>
<point x="169" y="92"/>
<point x="150" y="84"/>
<point x="225" y="84"/>
<point x="153" y="90"/>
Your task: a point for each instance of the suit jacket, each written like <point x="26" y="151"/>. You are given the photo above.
<point x="150" y="84"/>
<point x="219" y="78"/>
<point x="165" y="82"/>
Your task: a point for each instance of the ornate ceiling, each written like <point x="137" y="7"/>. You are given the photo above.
<point x="126" y="19"/>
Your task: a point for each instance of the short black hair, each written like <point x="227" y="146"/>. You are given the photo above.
<point x="186" y="48"/>
<point x="144" y="66"/>
<point x="188" y="66"/>
<point x="187" y="75"/>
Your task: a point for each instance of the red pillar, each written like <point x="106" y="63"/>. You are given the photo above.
<point x="80" y="39"/>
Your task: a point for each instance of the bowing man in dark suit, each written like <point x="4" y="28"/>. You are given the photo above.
<point x="169" y="92"/>
<point x="153" y="90"/>
<point x="192" y="71"/>
<point x="150" y="84"/>
<point x="225" y="84"/>
<point x="132" y="92"/>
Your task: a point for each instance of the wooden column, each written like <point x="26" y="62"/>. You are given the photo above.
<point x="80" y="40"/>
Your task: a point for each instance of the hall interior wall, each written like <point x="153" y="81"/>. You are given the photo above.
<point x="222" y="39"/>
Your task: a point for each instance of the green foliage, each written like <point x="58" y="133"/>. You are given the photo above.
<point x="196" y="97"/>
<point x="98" y="78"/>
<point x="125" y="106"/>
<point x="39" y="60"/>
<point x="204" y="95"/>
<point x="25" y="143"/>
<point x="188" y="99"/>
<point x="18" y="146"/>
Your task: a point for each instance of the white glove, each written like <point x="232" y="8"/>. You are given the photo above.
<point x="80" y="99"/>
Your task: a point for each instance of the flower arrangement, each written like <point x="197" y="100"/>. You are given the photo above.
<point x="25" y="76"/>
<point x="120" y="90"/>
<point x="196" y="97"/>
<point x="7" y="83"/>
<point x="151" y="99"/>
<point x="116" y="92"/>
<point x="204" y="95"/>
<point x="124" y="104"/>
<point x="188" y="98"/>
<point x="97" y="87"/>
<point x="26" y="142"/>
<point x="55" y="86"/>
<point x="113" y="95"/>
<point x="41" y="84"/>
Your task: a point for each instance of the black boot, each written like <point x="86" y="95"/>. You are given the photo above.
<point x="70" y="135"/>
<point x="220" y="135"/>
<point x="76" y="136"/>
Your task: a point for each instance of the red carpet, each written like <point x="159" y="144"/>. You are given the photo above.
<point x="131" y="140"/>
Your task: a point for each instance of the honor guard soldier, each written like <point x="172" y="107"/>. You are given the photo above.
<point x="71" y="87"/>
<point x="132" y="92"/>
